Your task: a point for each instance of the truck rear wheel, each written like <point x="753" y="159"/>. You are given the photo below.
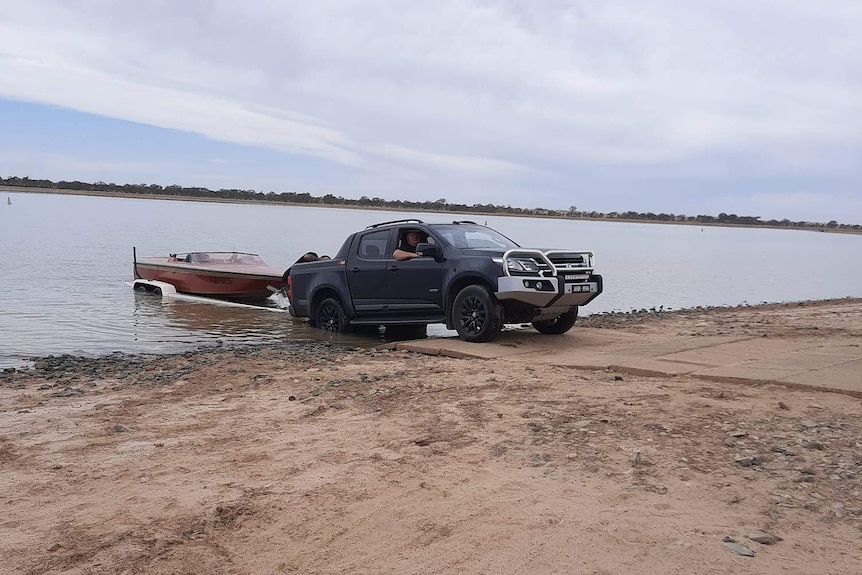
<point x="477" y="315"/>
<point x="330" y="316"/>
<point x="560" y="324"/>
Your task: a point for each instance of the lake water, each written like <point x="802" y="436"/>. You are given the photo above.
<point x="65" y="267"/>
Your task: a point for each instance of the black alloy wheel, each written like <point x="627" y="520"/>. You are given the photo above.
<point x="330" y="316"/>
<point x="477" y="315"/>
<point x="558" y="325"/>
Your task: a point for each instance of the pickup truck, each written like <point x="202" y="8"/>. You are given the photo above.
<point x="470" y="277"/>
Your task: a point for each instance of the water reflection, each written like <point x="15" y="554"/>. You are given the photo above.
<point x="179" y="320"/>
<point x="193" y="322"/>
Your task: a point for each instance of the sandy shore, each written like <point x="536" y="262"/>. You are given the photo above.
<point x="323" y="459"/>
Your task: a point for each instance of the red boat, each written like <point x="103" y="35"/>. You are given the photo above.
<point x="229" y="275"/>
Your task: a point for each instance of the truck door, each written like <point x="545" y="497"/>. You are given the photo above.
<point x="366" y="273"/>
<point x="414" y="287"/>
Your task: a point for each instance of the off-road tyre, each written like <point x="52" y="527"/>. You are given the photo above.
<point x="477" y="315"/>
<point x="330" y="316"/>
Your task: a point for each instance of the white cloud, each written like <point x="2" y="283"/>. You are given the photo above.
<point x="469" y="93"/>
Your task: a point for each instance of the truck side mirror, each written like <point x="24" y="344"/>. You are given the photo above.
<point x="427" y="250"/>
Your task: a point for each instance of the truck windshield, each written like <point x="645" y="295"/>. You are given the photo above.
<point x="473" y="237"/>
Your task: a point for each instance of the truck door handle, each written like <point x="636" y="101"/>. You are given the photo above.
<point x="392" y="268"/>
<point x="356" y="269"/>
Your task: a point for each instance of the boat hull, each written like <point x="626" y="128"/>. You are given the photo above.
<point x="236" y="282"/>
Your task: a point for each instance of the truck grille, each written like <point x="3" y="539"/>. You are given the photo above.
<point x="566" y="260"/>
<point x="571" y="265"/>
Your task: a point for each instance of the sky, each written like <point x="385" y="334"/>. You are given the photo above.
<point x="751" y="107"/>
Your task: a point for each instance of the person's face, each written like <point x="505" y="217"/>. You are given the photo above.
<point x="412" y="238"/>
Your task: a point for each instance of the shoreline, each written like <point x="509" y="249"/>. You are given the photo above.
<point x="602" y="320"/>
<point x="4" y="189"/>
<point x="606" y="319"/>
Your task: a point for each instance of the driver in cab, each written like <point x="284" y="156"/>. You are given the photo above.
<point x="407" y="249"/>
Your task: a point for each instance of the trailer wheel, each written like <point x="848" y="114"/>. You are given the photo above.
<point x="477" y="315"/>
<point x="560" y="324"/>
<point x="140" y="286"/>
<point x="330" y="316"/>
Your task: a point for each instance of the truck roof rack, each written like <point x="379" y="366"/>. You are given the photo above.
<point x="465" y="222"/>
<point x="407" y="221"/>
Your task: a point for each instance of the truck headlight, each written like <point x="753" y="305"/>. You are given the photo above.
<point x="522" y="265"/>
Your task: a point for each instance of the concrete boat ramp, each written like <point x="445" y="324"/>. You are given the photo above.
<point x="827" y="363"/>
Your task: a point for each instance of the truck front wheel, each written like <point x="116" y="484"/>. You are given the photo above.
<point x="560" y="324"/>
<point x="478" y="317"/>
<point x="330" y="316"/>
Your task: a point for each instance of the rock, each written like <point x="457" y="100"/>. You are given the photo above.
<point x="69" y="392"/>
<point x="658" y="488"/>
<point x="120" y="428"/>
<point x="539" y="460"/>
<point x="760" y="459"/>
<point x="763" y="537"/>
<point x="618" y="378"/>
<point x="737" y="548"/>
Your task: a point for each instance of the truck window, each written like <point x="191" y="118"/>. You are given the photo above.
<point x="463" y="236"/>
<point x="373" y="245"/>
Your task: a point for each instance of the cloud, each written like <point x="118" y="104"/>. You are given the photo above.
<point x="482" y="94"/>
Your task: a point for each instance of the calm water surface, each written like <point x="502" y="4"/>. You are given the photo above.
<point x="65" y="264"/>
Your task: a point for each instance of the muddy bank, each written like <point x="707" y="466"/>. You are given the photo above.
<point x="69" y="368"/>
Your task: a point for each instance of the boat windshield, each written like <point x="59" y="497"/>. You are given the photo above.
<point x="223" y="258"/>
<point x="474" y="237"/>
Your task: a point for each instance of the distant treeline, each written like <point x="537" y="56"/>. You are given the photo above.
<point x="440" y="205"/>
